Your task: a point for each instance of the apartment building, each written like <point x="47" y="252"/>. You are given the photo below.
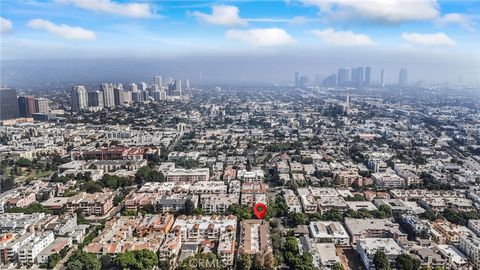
<point x="367" y="248"/>
<point x="373" y="228"/>
<point x="470" y="246"/>
<point x="28" y="252"/>
<point x="254" y="237"/>
<point x="217" y="203"/>
<point x="184" y="175"/>
<point x="327" y="231"/>
<point x="255" y="176"/>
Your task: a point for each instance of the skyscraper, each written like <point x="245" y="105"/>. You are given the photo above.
<point x="382" y="78"/>
<point x="127" y="97"/>
<point x="354" y="78"/>
<point x="95" y="99"/>
<point x="297" y="79"/>
<point x="303" y="81"/>
<point x="26" y="106"/>
<point x="330" y="81"/>
<point x="118" y="96"/>
<point x="8" y="103"/>
<point x="79" y="98"/>
<point x="403" y="77"/>
<point x="157" y="80"/>
<point x="178" y="88"/>
<point x="360" y="77"/>
<point x="133" y="88"/>
<point x="343" y="77"/>
<point x="108" y="95"/>
<point x="41" y="105"/>
<point x="368" y="74"/>
<point x="143" y="86"/>
<point x="187" y="83"/>
<point x="137" y="96"/>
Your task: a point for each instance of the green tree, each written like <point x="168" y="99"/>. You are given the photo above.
<point x="386" y="210"/>
<point x="87" y="261"/>
<point x="296" y="219"/>
<point x="407" y="262"/>
<point x="137" y="260"/>
<point x="106" y="261"/>
<point x="380" y="260"/>
<point x="244" y="262"/>
<point x="189" y="207"/>
<point x="291" y="245"/>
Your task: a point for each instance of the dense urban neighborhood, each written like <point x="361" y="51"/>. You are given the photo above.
<point x="355" y="175"/>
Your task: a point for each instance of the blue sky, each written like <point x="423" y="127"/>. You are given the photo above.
<point x="362" y="31"/>
<point x="59" y="28"/>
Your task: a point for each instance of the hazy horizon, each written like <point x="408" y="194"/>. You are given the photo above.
<point x="238" y="41"/>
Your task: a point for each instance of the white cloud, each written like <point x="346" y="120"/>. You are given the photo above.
<point x="430" y="40"/>
<point x="5" y="25"/>
<point x="382" y="10"/>
<point x="263" y="37"/>
<point x="456" y="18"/>
<point x="221" y="15"/>
<point x="63" y="30"/>
<point x="136" y="10"/>
<point x="342" y="38"/>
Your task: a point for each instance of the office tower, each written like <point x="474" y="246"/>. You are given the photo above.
<point x="368" y="73"/>
<point x="26" y="106"/>
<point x="155" y="95"/>
<point x="133" y="87"/>
<point x="169" y="80"/>
<point x="360" y="77"/>
<point x="127" y="97"/>
<point x="382" y="78"/>
<point x="79" y="98"/>
<point x="354" y="78"/>
<point x="343" y="77"/>
<point x="187" y="83"/>
<point x="137" y="96"/>
<point x="303" y="81"/>
<point x="163" y="94"/>
<point x="178" y="87"/>
<point x="403" y="77"/>
<point x="119" y="86"/>
<point x="330" y="81"/>
<point x="41" y="105"/>
<point x="95" y="99"/>
<point x="143" y="86"/>
<point x="145" y="95"/>
<point x="108" y="95"/>
<point x="297" y="79"/>
<point x="157" y="80"/>
<point x="118" y="96"/>
<point x="8" y="103"/>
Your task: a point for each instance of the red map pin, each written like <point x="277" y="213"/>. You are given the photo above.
<point x="260" y="210"/>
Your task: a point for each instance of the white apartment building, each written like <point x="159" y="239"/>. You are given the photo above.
<point x="28" y="252"/>
<point x="183" y="175"/>
<point x="255" y="176"/>
<point x="333" y="232"/>
<point x="367" y="248"/>
<point x="470" y="246"/>
<point x="217" y="203"/>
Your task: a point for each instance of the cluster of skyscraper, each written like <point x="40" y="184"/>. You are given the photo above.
<point x="300" y="81"/>
<point x="356" y="77"/>
<point x="111" y="95"/>
<point x="13" y="106"/>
